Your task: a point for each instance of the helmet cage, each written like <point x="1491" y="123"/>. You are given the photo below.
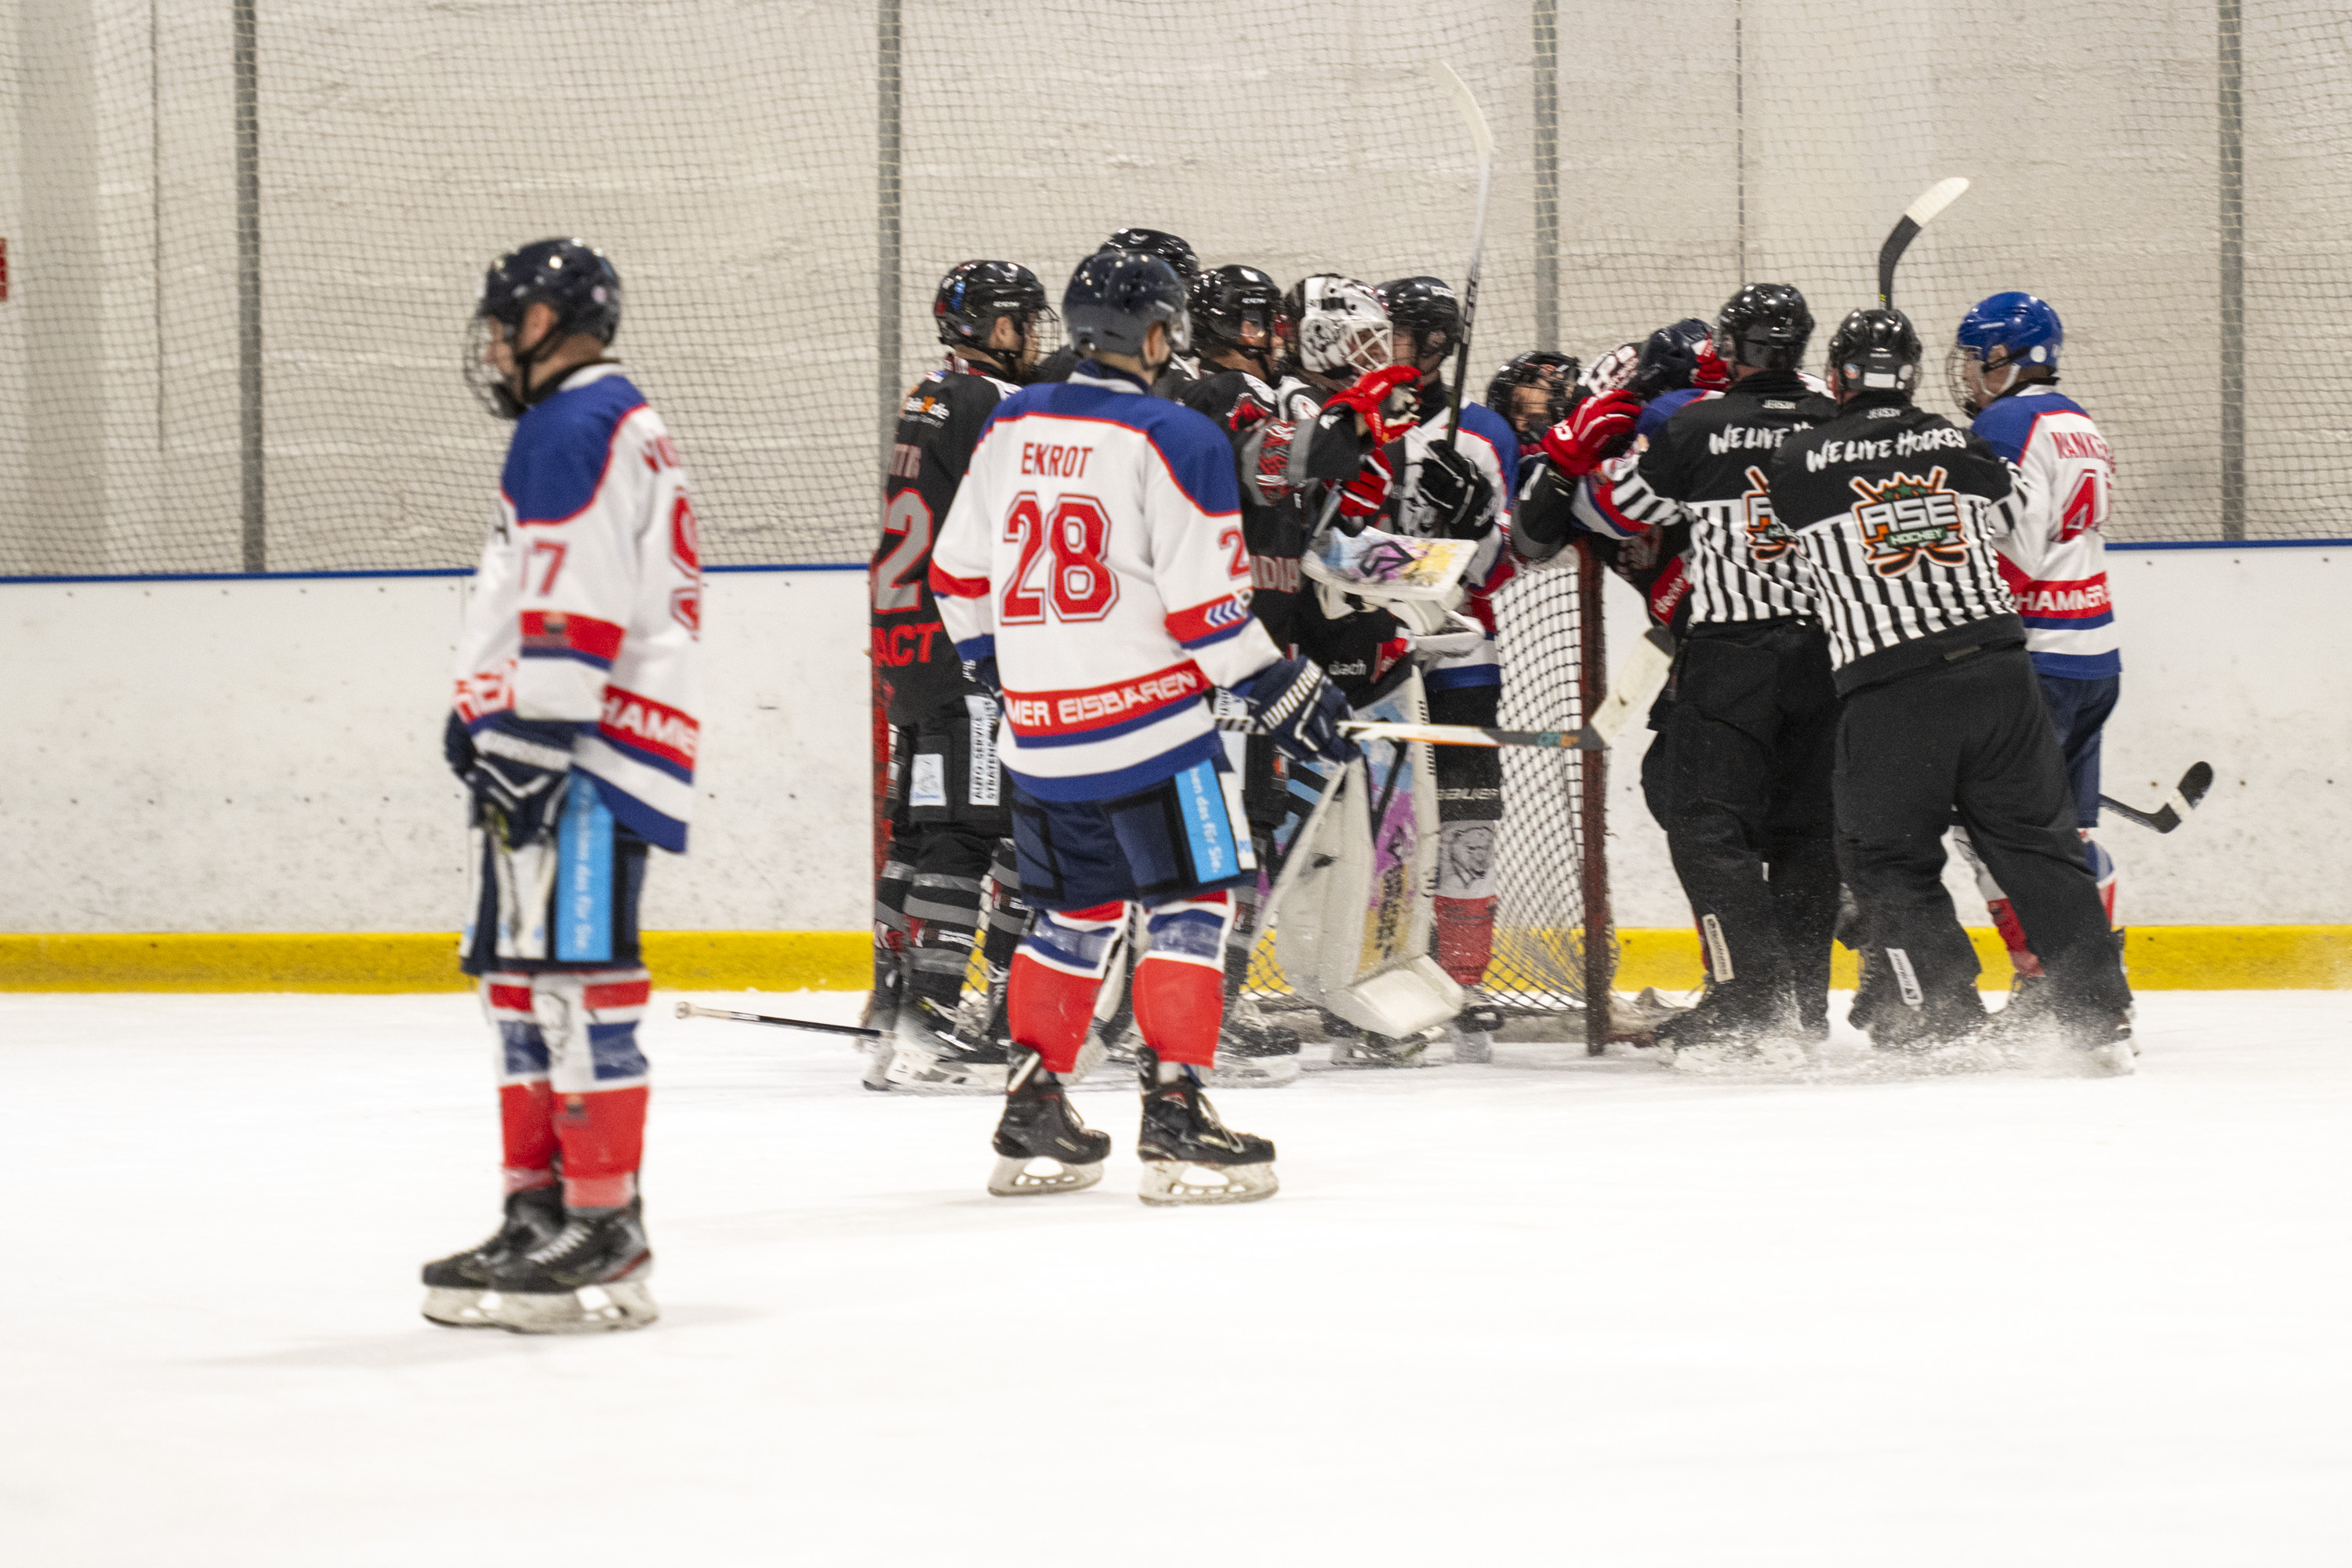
<point x="1341" y="330"/>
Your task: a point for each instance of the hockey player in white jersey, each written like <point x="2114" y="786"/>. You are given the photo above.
<point x="1093" y="570"/>
<point x="575" y="727"/>
<point x="2003" y="370"/>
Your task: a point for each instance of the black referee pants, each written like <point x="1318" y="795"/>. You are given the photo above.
<point x="1742" y="788"/>
<point x="1971" y="737"/>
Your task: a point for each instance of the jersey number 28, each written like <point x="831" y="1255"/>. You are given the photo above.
<point x="1080" y="584"/>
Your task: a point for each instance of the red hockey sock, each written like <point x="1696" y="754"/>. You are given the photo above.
<point x="2012" y="937"/>
<point x="603" y="1137"/>
<point x="1179" y="1006"/>
<point x="527" y="1129"/>
<point x="1465" y="938"/>
<point x="1047" y="1009"/>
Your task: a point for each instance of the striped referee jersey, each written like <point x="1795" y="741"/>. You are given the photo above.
<point x="1894" y="511"/>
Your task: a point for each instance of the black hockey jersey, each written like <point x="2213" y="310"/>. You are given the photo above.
<point x="1894" y="511"/>
<point x="938" y="424"/>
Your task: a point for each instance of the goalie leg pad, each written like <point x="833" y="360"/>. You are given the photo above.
<point x="1179" y="997"/>
<point x="1055" y="975"/>
<point x="598" y="1077"/>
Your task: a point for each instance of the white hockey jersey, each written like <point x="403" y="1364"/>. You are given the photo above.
<point x="1096" y="552"/>
<point x="2056" y="561"/>
<point x="1492" y="448"/>
<point x="587" y="606"/>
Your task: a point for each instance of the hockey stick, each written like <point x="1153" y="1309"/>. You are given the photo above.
<point x="1471" y="735"/>
<point x="1915" y="216"/>
<point x="1484" y="140"/>
<point x="2169" y="816"/>
<point x="689" y="1010"/>
<point x="1637" y="685"/>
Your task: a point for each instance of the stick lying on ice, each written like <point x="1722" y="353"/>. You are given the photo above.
<point x="688" y="1010"/>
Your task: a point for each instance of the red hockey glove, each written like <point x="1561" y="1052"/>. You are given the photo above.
<point x="1599" y="429"/>
<point x="1366" y="397"/>
<point x="1246" y="413"/>
<point x="1710" y="374"/>
<point x="1361" y="497"/>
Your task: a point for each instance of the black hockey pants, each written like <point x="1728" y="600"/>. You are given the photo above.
<point x="1742" y="788"/>
<point x="1971" y="737"/>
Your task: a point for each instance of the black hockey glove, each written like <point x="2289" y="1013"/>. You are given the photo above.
<point x="982" y="672"/>
<point x="521" y="771"/>
<point x="1455" y="492"/>
<point x="1295" y="707"/>
<point x="458" y="745"/>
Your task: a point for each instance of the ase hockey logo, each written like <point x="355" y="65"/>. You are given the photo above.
<point x="1908" y="518"/>
<point x="1767" y="540"/>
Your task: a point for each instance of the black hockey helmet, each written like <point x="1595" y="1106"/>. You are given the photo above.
<point x="1116" y="295"/>
<point x="1554" y="373"/>
<point x="972" y="296"/>
<point x="1170" y="248"/>
<point x="1670" y="358"/>
<point x="1766" y="325"/>
<point x="1425" y="306"/>
<point x="569" y="276"/>
<point x="1226" y="302"/>
<point x="1874" y="350"/>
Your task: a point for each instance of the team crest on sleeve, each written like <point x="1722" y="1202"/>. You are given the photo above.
<point x="1908" y="518"/>
<point x="1767" y="540"/>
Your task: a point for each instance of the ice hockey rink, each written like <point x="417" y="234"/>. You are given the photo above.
<point x="1546" y="1312"/>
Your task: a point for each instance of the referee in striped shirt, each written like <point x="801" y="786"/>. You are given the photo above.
<point x="1894" y="511"/>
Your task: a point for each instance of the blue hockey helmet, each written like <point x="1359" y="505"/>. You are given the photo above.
<point x="2022" y="328"/>
<point x="1114" y="298"/>
<point x="1669" y="358"/>
<point x="570" y="276"/>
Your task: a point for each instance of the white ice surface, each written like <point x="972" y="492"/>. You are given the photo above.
<point x="1548" y="1311"/>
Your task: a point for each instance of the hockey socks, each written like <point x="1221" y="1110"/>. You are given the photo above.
<point x="1466" y="937"/>
<point x="1055" y="973"/>
<point x="1180" y="993"/>
<point x="526" y="1123"/>
<point x="594" y="1090"/>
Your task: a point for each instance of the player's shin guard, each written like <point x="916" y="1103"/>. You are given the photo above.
<point x="1056" y="975"/>
<point x="589" y="1021"/>
<point x="1179" y="985"/>
<point x="1009" y="919"/>
<point x="526" y="1108"/>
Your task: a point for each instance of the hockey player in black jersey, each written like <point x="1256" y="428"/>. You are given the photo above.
<point x="946" y="796"/>
<point x="1170" y="248"/>
<point x="1892" y="510"/>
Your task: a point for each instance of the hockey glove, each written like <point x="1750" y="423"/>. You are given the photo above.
<point x="982" y="672"/>
<point x="1600" y="429"/>
<point x="1457" y="495"/>
<point x="458" y="745"/>
<point x="1368" y="398"/>
<point x="1295" y="707"/>
<point x="521" y="772"/>
<point x="1708" y="372"/>
<point x="1361" y="497"/>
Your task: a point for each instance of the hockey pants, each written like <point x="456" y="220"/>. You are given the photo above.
<point x="1742" y="788"/>
<point x="1972" y="739"/>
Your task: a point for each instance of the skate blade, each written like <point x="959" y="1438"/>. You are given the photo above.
<point x="1171" y="1183"/>
<point x="1474" y="1048"/>
<point x="590" y="1310"/>
<point x="1013" y="1177"/>
<point x="454" y="1308"/>
<point x="1253" y="1072"/>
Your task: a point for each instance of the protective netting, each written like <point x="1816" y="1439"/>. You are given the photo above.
<point x="240" y="279"/>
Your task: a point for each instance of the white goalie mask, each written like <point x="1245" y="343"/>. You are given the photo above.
<point x="1342" y="331"/>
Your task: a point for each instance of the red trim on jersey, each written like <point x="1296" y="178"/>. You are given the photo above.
<point x="957" y="587"/>
<point x="1217" y="619"/>
<point x="611" y="443"/>
<point x="645" y="725"/>
<point x="2058" y="599"/>
<point x="561" y="631"/>
<point x="1080" y="710"/>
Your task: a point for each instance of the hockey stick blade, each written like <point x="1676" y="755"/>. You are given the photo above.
<point x="1639" y="680"/>
<point x="2173" y="812"/>
<point x="1483" y="140"/>
<point x="1464" y="100"/>
<point x="1472" y="735"/>
<point x="1915" y="216"/>
<point x="688" y="1010"/>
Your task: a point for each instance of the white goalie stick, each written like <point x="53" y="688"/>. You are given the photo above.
<point x="2176" y="808"/>
<point x="1484" y="140"/>
<point x="689" y="1010"/>
<point x="1915" y="216"/>
<point x="1471" y="735"/>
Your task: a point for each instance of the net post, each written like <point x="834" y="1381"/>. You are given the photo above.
<point x="1547" y="161"/>
<point x="253" y="493"/>
<point x="2229" y="99"/>
<point x="1592" y="807"/>
<point x="888" y="192"/>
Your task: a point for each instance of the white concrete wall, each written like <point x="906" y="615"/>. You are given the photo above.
<point x="265" y="755"/>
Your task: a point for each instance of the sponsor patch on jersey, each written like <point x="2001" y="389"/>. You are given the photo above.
<point x="983" y="783"/>
<point x="1767" y="540"/>
<point x="1907" y="519"/>
<point x="1046" y="715"/>
<point x="640" y="724"/>
<point x="927" y="782"/>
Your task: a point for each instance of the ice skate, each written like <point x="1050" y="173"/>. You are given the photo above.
<point x="1959" y="1019"/>
<point x="1367" y="1050"/>
<point x="1475" y="1027"/>
<point x="1252" y="1052"/>
<point x="1189" y="1156"/>
<point x="1041" y="1145"/>
<point x="1639" y="1015"/>
<point x="590" y="1278"/>
<point x="455" y="1285"/>
<point x="929" y="1057"/>
<point x="1728" y="1022"/>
